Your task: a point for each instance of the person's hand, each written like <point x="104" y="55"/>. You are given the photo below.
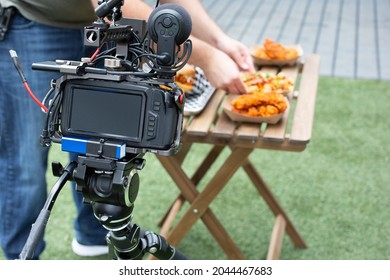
<point x="219" y="67"/>
<point x="237" y="51"/>
<point x="222" y="72"/>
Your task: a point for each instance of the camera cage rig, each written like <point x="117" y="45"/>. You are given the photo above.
<point x="133" y="74"/>
<point x="139" y="79"/>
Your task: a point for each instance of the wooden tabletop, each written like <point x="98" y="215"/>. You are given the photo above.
<point x="292" y="133"/>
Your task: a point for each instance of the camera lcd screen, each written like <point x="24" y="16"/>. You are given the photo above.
<point x="105" y="112"/>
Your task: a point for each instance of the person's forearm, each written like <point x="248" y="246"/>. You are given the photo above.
<point x="203" y="26"/>
<point x="219" y="68"/>
<point x="132" y="9"/>
<point x="201" y="54"/>
<point x="136" y="9"/>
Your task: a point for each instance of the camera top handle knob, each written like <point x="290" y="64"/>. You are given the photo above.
<point x="105" y="7"/>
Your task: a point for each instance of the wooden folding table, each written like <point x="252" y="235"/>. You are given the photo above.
<point x="214" y="127"/>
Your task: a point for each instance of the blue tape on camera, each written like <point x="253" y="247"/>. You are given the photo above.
<point x="93" y="147"/>
<point x="74" y="145"/>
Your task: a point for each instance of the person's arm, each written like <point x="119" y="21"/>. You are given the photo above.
<point x="219" y="68"/>
<point x="206" y="29"/>
<point x="132" y="9"/>
<point x="203" y="26"/>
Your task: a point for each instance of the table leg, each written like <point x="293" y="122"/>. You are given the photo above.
<point x="273" y="204"/>
<point x="190" y="193"/>
<point x="176" y="205"/>
<point x="201" y="201"/>
<point x="275" y="245"/>
<point x="178" y="202"/>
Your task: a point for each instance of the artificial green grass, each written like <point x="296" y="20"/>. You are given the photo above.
<point x="335" y="192"/>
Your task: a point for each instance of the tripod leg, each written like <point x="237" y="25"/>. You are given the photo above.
<point x="161" y="249"/>
<point x="38" y="228"/>
<point x="132" y="243"/>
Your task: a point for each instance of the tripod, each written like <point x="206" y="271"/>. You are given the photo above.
<point x="111" y="187"/>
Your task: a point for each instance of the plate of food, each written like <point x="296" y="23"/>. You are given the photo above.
<point x="274" y="53"/>
<point x="266" y="82"/>
<point x="196" y="87"/>
<point x="185" y="78"/>
<point x="256" y="107"/>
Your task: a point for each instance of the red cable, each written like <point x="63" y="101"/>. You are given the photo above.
<point x="95" y="54"/>
<point x="34" y="97"/>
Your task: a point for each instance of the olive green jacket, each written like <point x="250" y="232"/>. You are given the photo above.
<point x="59" y="13"/>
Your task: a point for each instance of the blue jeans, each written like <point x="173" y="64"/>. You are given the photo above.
<point x="22" y="159"/>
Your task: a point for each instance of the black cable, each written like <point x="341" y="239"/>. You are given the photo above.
<point x="38" y="228"/>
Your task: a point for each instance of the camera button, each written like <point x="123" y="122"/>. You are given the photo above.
<point x="156" y="105"/>
<point x="181" y="98"/>
<point x="167" y="22"/>
<point x="151" y="126"/>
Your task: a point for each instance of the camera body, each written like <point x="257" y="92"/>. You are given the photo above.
<point x="138" y="114"/>
<point x="124" y="100"/>
<point x="142" y="115"/>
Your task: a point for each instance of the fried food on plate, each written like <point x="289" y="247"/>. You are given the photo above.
<point x="260" y="104"/>
<point x="185" y="78"/>
<point x="272" y="50"/>
<point x="265" y="82"/>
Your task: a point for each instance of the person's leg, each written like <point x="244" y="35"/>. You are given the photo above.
<point x="22" y="159"/>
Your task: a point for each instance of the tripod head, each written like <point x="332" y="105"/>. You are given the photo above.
<point x="111" y="187"/>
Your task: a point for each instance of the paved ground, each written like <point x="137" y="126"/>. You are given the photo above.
<point x="352" y="36"/>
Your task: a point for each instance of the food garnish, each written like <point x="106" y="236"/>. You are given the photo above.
<point x="266" y="82"/>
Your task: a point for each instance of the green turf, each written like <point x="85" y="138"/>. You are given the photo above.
<point x="335" y="191"/>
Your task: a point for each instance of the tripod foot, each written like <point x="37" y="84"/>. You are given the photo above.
<point x="132" y="243"/>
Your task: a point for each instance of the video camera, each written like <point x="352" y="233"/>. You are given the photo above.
<point x="123" y="99"/>
<point x="110" y="109"/>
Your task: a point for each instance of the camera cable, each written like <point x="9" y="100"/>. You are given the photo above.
<point x="18" y="66"/>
